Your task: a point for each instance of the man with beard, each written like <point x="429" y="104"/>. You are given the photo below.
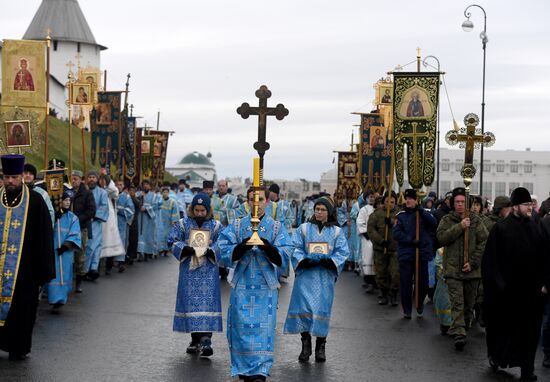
<point x="27" y="262"/>
<point x="462" y="277"/>
<point x="516" y="279"/>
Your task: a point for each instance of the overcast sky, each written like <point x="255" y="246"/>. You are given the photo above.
<point x="197" y="61"/>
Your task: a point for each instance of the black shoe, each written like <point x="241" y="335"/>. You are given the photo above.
<point x="17" y="356"/>
<point x="306" y="348"/>
<point x="92" y="275"/>
<point x="460" y="342"/>
<point x="528" y="376"/>
<point x="420" y="312"/>
<point x="383" y="298"/>
<point x="407" y="316"/>
<point x="108" y="271"/>
<point x="320" y="349"/>
<point x="206" y="347"/>
<point x="493" y="364"/>
<point x="369" y="289"/>
<point x="393" y="298"/>
<point x="546" y="361"/>
<point x="193" y="348"/>
<point x="443" y="329"/>
<point x="78" y="284"/>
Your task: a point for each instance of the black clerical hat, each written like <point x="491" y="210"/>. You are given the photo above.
<point x="519" y="195"/>
<point x="13" y="164"/>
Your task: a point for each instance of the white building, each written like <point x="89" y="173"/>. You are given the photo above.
<point x="195" y="168"/>
<point x="503" y="170"/>
<point x="296" y="189"/>
<point x="71" y="36"/>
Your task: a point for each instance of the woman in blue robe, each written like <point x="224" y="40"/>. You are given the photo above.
<point x="316" y="270"/>
<point x="198" y="301"/>
<point x="168" y="214"/>
<point x="66" y="240"/>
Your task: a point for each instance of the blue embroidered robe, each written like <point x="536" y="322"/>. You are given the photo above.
<point x="349" y="227"/>
<point x="198" y="301"/>
<point x="48" y="201"/>
<point x="313" y="292"/>
<point x="168" y="214"/>
<point x="66" y="229"/>
<point x="281" y="211"/>
<point x="147" y="224"/>
<point x="93" y="246"/>
<point x="225" y="208"/>
<point x="252" y="312"/>
<point x="125" y="216"/>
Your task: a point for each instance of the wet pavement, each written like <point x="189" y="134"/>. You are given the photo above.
<point x="120" y="329"/>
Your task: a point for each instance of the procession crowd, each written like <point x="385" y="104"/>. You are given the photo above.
<point x="479" y="264"/>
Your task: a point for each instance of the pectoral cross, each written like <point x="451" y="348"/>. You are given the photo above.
<point x="262" y="111"/>
<point x="469" y="139"/>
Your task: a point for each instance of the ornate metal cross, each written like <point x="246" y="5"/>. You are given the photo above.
<point x="262" y="111"/>
<point x="469" y="138"/>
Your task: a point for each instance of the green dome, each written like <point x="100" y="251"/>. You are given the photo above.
<point x="196" y="158"/>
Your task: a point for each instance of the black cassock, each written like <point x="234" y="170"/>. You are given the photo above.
<point x="36" y="267"/>
<point x="514" y="269"/>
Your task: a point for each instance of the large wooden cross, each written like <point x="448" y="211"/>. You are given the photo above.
<point x="469" y="139"/>
<point x="262" y="111"/>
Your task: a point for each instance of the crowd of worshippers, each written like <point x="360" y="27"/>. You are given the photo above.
<point x="499" y="279"/>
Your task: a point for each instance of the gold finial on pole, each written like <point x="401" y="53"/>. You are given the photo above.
<point x="418" y="59"/>
<point x="255" y="219"/>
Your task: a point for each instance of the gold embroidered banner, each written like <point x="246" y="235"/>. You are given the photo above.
<point x="348" y="176"/>
<point x="415" y="101"/>
<point x="24" y="73"/>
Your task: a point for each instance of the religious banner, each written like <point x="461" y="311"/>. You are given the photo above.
<point x="54" y="186"/>
<point x="137" y="178"/>
<point x="348" y="176"/>
<point x="129" y="149"/>
<point x="147" y="158"/>
<point x="105" y="128"/>
<point x="24" y="73"/>
<point x="415" y="100"/>
<point x="375" y="147"/>
<point x="159" y="154"/>
<point x="21" y="131"/>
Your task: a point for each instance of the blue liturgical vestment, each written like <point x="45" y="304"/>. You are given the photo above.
<point x="125" y="216"/>
<point x="225" y="208"/>
<point x="168" y="214"/>
<point x="66" y="229"/>
<point x="313" y="292"/>
<point x="93" y="246"/>
<point x="252" y="313"/>
<point x="281" y="211"/>
<point x="147" y="224"/>
<point x="198" y="302"/>
<point x="349" y="227"/>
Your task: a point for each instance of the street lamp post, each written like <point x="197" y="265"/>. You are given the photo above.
<point x="468" y="26"/>
<point x="425" y="63"/>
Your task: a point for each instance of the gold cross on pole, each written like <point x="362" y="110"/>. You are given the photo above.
<point x="415" y="175"/>
<point x="469" y="139"/>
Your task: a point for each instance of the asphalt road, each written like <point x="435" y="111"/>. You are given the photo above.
<point x="120" y="329"/>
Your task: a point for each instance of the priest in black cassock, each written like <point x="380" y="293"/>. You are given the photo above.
<point x="26" y="257"/>
<point x="516" y="279"/>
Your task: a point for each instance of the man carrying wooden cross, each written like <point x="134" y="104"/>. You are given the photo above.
<point x="462" y="277"/>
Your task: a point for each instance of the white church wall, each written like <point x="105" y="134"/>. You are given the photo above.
<point x="67" y="51"/>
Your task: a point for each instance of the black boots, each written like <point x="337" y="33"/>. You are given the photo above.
<point x="320" y="349"/>
<point x="393" y="297"/>
<point x="78" y="284"/>
<point x="383" y="299"/>
<point x="306" y="347"/>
